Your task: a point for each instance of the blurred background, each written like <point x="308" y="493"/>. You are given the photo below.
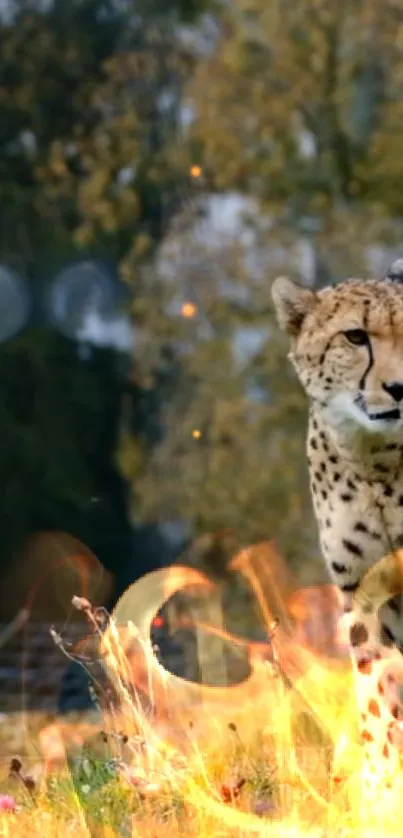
<point x="161" y="161"/>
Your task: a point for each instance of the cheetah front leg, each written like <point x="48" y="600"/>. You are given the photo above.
<point x="378" y="666"/>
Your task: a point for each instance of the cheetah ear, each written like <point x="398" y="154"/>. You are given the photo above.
<point x="292" y="304"/>
<point x="395" y="272"/>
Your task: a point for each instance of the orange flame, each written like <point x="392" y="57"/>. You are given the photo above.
<point x="299" y="664"/>
<point x="301" y="688"/>
<point x="129" y="657"/>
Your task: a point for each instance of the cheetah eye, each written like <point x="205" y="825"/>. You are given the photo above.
<point x="356" y="336"/>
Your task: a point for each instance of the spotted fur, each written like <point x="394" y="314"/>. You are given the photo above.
<point x="347" y="349"/>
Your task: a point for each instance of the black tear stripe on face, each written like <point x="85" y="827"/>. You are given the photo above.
<point x="369" y="366"/>
<point x="365" y="316"/>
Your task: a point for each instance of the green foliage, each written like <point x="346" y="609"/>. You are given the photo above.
<point x="231" y="453"/>
<point x="82" y="171"/>
<point x="284" y="69"/>
<point x="296" y="107"/>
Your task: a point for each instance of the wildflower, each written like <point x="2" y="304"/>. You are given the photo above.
<point x="231" y="792"/>
<point x="264" y="808"/>
<point x="7" y="803"/>
<point x="15" y="765"/>
<point x="81" y="603"/>
<point x="15" y="772"/>
<point x="29" y="783"/>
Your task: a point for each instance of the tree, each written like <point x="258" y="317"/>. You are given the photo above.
<point x="317" y="83"/>
<point x="51" y="63"/>
<point x="300" y="118"/>
<point x="83" y="171"/>
<point x="230" y="453"/>
<point x="303" y="112"/>
<point x="89" y="97"/>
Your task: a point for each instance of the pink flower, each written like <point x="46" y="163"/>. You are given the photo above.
<point x="7" y="803"/>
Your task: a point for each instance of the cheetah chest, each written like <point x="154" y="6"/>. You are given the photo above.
<point x="359" y="521"/>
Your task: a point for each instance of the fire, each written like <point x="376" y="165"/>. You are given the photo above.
<point x="278" y="754"/>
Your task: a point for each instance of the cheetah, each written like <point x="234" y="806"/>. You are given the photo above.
<point x="346" y="346"/>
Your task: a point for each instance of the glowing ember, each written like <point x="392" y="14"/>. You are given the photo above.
<point x="158" y="622"/>
<point x="188" y="310"/>
<point x="195" y="171"/>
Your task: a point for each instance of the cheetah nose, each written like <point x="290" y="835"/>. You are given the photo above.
<point x="395" y="390"/>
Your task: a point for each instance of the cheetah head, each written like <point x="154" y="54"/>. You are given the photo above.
<point x="347" y="348"/>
